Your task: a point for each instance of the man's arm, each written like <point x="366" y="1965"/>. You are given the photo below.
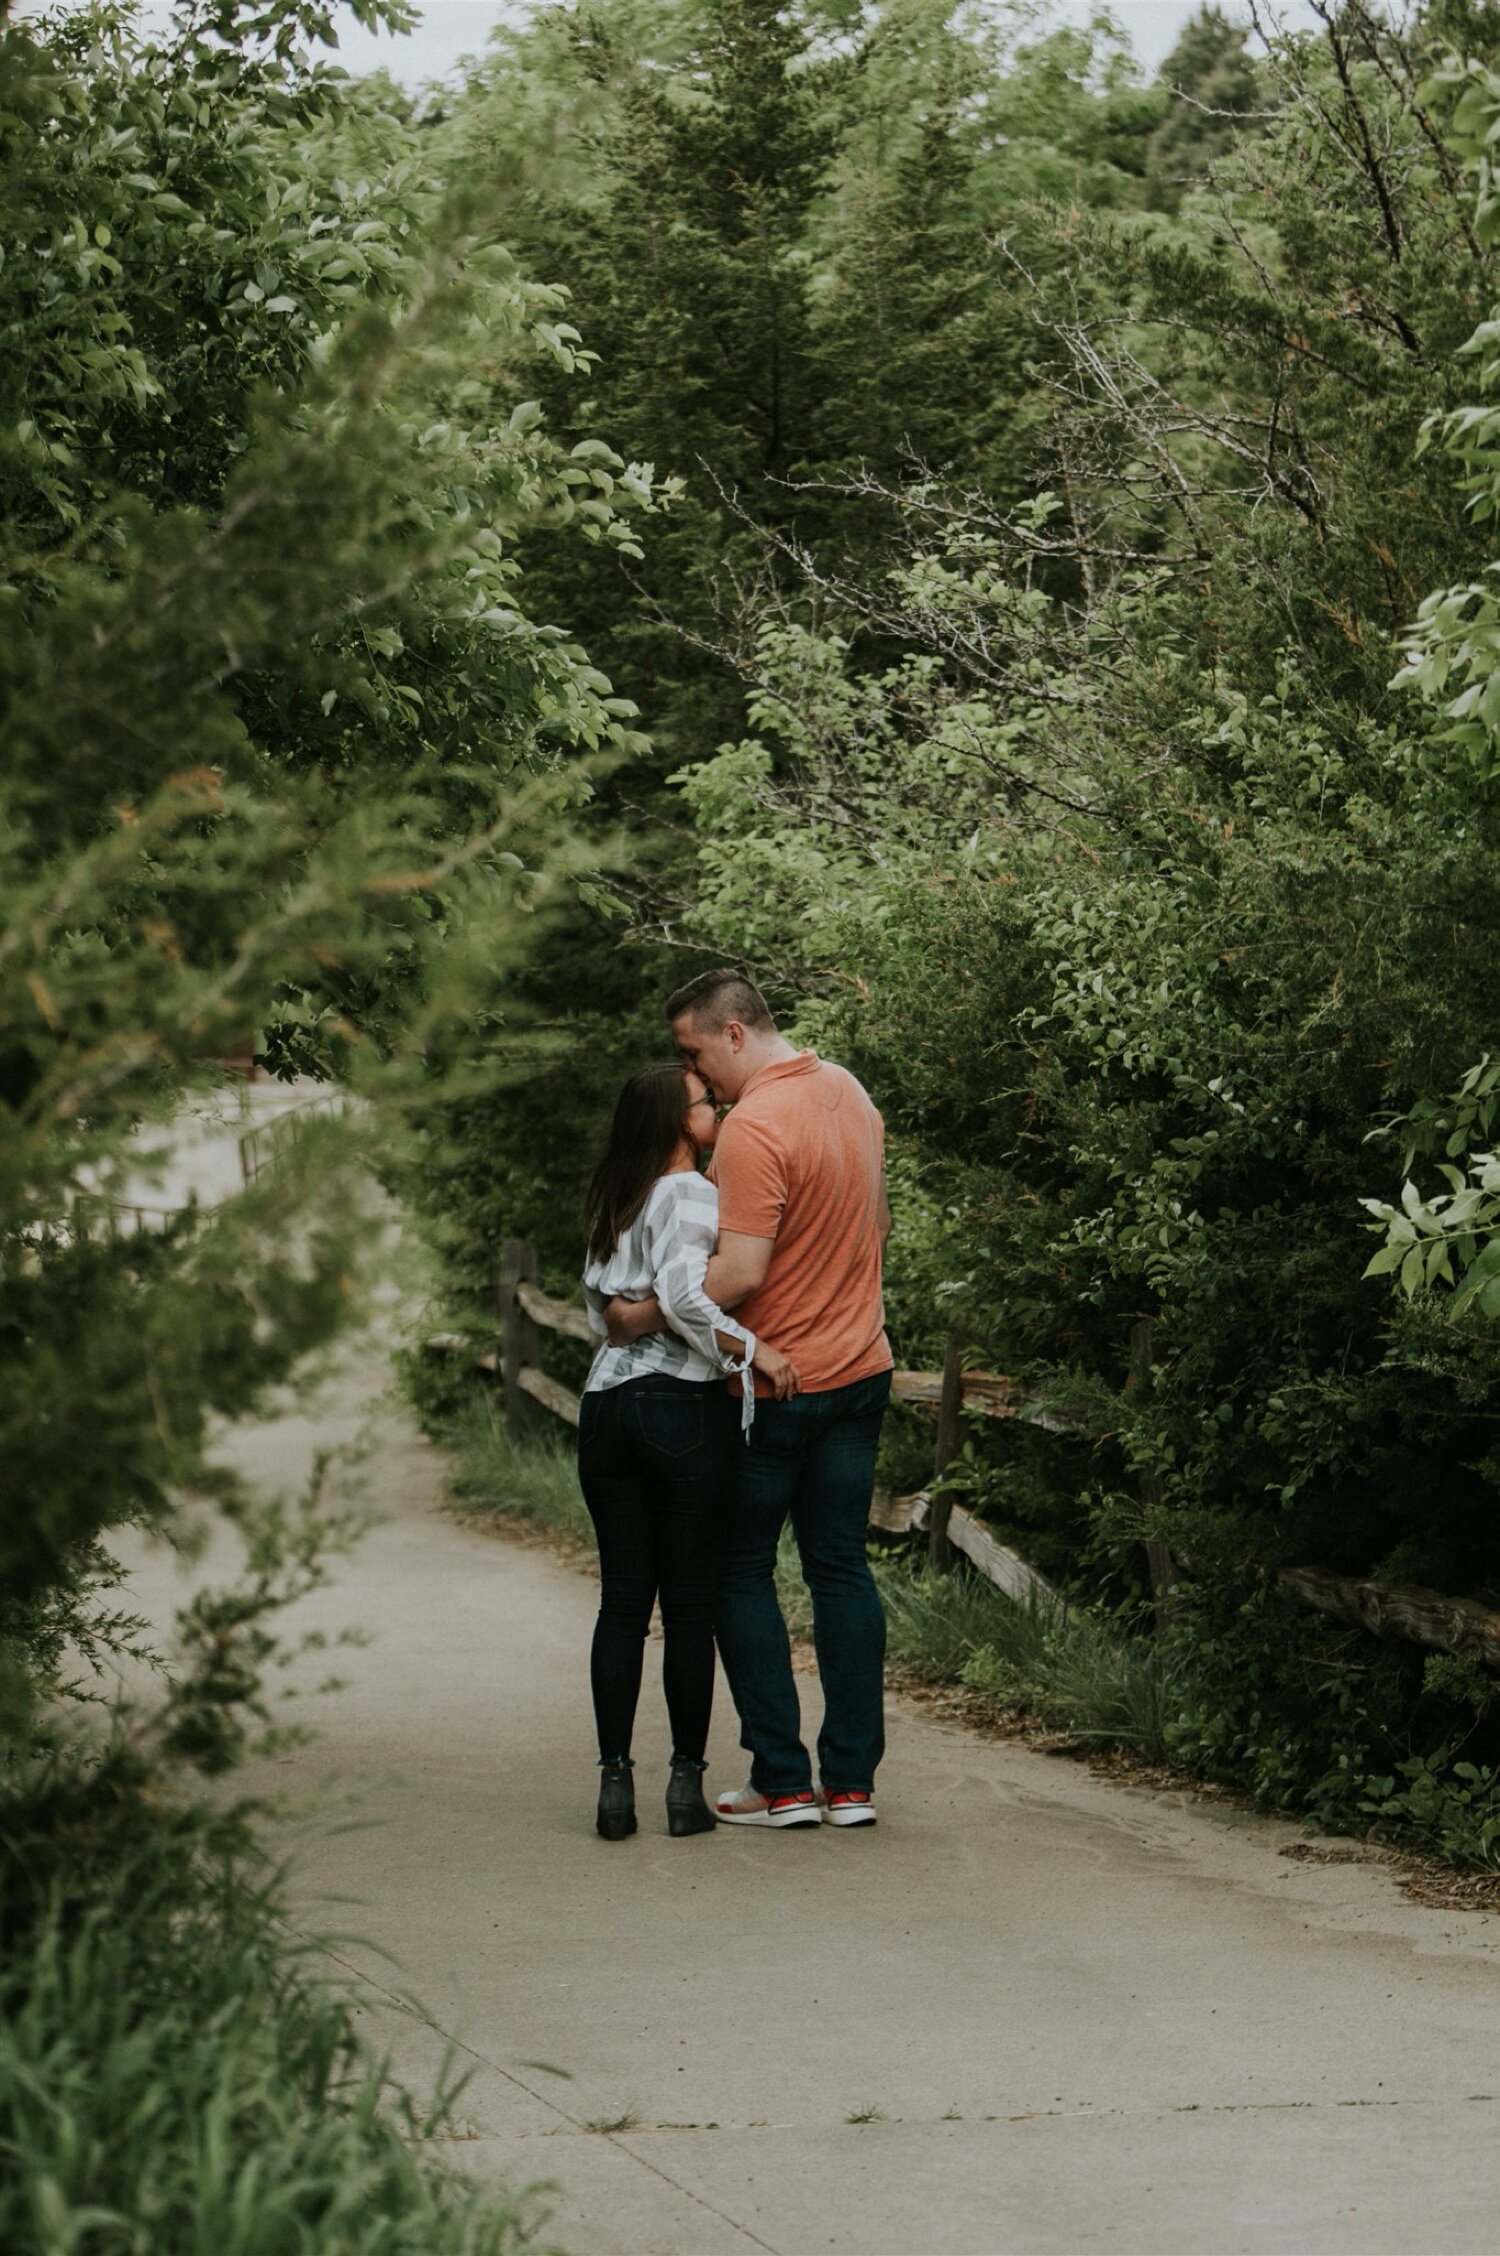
<point x="738" y="1268"/>
<point x="626" y="1321"/>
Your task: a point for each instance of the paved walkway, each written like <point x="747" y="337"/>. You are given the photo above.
<point x="1031" y="2012"/>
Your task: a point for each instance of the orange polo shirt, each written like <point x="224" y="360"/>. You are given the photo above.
<point x="801" y="1159"/>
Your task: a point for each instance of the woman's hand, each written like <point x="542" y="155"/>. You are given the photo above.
<point x="777" y="1370"/>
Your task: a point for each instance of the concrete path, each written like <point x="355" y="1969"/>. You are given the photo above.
<point x="1031" y="2012"/>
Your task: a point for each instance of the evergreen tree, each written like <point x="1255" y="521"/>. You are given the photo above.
<point x="1216" y="95"/>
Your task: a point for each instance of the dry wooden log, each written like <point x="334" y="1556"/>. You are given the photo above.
<point x="1399" y="1611"/>
<point x="548" y="1392"/>
<point x="1159" y="1562"/>
<point x="563" y="1316"/>
<point x="519" y="1345"/>
<point x="1005" y="1568"/>
<point x="1050" y="1421"/>
<point x="459" y="1343"/>
<point x="985" y="1391"/>
<point x="950" y="1440"/>
<point x="917" y="1386"/>
<point x="899" y="1515"/>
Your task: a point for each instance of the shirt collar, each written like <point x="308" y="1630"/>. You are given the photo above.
<point x="784" y="1069"/>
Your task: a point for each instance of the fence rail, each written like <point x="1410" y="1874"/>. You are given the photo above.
<point x="1396" y="1611"/>
<point x="267" y="1141"/>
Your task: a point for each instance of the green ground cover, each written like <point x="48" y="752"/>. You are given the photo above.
<point x="177" y="2074"/>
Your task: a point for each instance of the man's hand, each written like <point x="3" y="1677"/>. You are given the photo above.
<point x="738" y="1268"/>
<point x="627" y="1321"/>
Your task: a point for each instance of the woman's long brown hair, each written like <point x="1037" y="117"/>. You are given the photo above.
<point x="643" y="1135"/>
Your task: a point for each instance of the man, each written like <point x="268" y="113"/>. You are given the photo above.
<point x="803" y="1222"/>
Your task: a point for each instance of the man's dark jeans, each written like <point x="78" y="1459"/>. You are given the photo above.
<point x="813" y="1460"/>
<point x="655" y="1466"/>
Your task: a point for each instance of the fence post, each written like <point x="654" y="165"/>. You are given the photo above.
<point x="949" y="1441"/>
<point x="1159" y="1561"/>
<point x="518" y="1337"/>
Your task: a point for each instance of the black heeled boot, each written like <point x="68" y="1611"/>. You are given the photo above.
<point x="616" y="1818"/>
<point x="687" y="1811"/>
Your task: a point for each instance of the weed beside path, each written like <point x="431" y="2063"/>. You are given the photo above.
<point x="175" y="2077"/>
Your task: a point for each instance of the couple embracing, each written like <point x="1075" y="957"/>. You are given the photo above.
<point x="741" y="1382"/>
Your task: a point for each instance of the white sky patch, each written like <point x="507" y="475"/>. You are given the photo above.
<point x="451" y="29"/>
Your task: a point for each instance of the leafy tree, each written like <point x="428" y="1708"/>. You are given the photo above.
<point x="1452" y="1237"/>
<point x="1142" y="901"/>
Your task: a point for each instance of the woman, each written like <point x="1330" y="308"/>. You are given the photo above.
<point x="656" y="1433"/>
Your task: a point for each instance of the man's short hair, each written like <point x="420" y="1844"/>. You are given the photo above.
<point x="716" y="997"/>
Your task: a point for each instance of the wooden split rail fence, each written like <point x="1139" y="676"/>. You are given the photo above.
<point x="1388" y="1610"/>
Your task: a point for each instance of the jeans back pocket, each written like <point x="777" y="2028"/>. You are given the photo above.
<point x="671" y="1423"/>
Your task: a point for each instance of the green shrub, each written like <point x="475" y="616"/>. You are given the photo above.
<point x="1453" y="1807"/>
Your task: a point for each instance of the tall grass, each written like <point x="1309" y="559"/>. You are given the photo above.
<point x="535" y="1479"/>
<point x="1066" y="1667"/>
<point x="175" y="2080"/>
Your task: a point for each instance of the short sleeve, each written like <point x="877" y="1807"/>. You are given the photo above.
<point x="751" y="1172"/>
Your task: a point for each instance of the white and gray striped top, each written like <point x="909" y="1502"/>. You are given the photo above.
<point x="665" y="1251"/>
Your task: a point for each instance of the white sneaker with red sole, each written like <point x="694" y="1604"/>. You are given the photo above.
<point x="746" y="1805"/>
<point x="849" y="1809"/>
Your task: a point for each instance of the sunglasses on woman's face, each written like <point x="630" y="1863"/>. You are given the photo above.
<point x="694" y="1102"/>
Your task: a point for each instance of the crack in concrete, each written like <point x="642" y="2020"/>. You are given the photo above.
<point x="412" y="2008"/>
<point x="1023" y="2115"/>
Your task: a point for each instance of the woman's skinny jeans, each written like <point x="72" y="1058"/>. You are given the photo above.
<point x="655" y="1460"/>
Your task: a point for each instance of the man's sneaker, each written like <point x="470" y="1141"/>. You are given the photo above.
<point x="849" y="1809"/>
<point x="747" y="1806"/>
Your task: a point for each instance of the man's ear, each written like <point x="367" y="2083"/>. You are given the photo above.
<point x="735" y="1032"/>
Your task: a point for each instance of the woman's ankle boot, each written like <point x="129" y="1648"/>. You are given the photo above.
<point x="616" y="1818"/>
<point x="687" y="1811"/>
